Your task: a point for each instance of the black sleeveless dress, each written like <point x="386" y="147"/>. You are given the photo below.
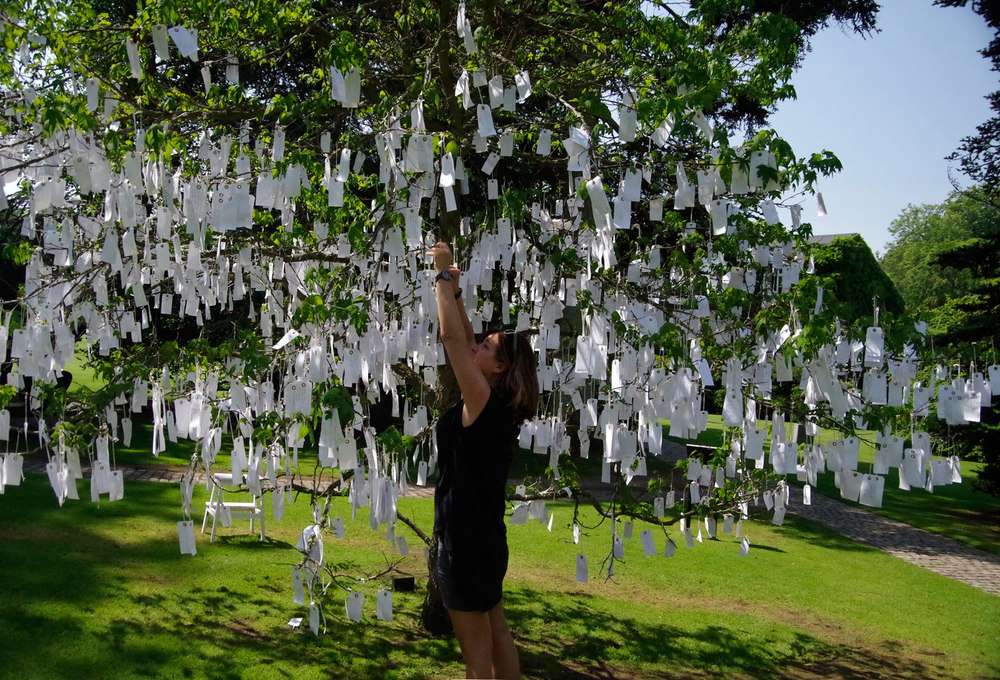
<point x="469" y="504"/>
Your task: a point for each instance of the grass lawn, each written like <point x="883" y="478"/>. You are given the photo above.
<point x="101" y="591"/>
<point x="83" y="377"/>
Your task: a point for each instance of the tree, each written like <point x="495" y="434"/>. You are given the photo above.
<point x="976" y="259"/>
<point x="974" y="333"/>
<point x="971" y="318"/>
<point x="809" y="17"/>
<point x="920" y="234"/>
<point x="231" y="210"/>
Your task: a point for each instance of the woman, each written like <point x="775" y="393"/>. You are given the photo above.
<point x="475" y="445"/>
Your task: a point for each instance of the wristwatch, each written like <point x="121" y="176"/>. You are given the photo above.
<point x="443" y="276"/>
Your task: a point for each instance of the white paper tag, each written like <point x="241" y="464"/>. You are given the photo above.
<point x="314" y="619"/>
<point x="299" y="594"/>
<point x="485" y="119"/>
<point x="544" y="147"/>
<point x="383" y="605"/>
<point x="520" y="514"/>
<point x="186" y="43"/>
<point x="354" y="603"/>
<point x="185" y="534"/>
<point x="648" y="545"/>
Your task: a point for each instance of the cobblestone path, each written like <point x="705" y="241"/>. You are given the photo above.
<point x="932" y="551"/>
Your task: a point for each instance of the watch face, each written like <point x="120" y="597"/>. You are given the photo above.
<point x="446" y="275"/>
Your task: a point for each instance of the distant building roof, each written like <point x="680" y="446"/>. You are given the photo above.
<point x="824" y="239"/>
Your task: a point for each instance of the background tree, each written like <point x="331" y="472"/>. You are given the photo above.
<point x="973" y="334"/>
<point x="975" y="258"/>
<point x="943" y="260"/>
<point x="929" y="288"/>
<point x="810" y="18"/>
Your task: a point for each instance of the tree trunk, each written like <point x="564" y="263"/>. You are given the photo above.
<point x="433" y="615"/>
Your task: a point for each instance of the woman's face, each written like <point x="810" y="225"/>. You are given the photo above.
<point x="484" y="355"/>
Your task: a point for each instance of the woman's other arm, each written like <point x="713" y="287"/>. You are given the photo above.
<point x="458" y="339"/>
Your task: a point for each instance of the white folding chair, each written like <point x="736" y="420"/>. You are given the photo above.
<point x="216" y="507"/>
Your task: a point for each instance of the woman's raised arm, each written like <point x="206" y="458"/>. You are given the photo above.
<point x="457" y="336"/>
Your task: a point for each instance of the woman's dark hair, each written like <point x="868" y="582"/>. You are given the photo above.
<point x="519" y="383"/>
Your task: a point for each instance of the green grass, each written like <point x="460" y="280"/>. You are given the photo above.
<point x="101" y="591"/>
<point x="83" y="377"/>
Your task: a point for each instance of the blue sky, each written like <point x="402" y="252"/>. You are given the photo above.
<point x="891" y="107"/>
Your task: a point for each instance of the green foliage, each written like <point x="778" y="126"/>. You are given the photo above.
<point x="929" y="288"/>
<point x="17" y="253"/>
<point x="339" y="399"/>
<point x="394" y="442"/>
<point x="7" y="393"/>
<point x="853" y="282"/>
<point x="978" y="259"/>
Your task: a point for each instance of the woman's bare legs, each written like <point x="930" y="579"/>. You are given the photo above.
<point x="473" y="632"/>
<point x="487" y="646"/>
<point x="506" y="664"/>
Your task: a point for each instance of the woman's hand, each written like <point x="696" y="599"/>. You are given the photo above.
<point x="442" y="257"/>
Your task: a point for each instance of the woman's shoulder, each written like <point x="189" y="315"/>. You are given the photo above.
<point x="496" y="410"/>
<point x="498" y="399"/>
<point x="498" y="406"/>
<point x="451" y="417"/>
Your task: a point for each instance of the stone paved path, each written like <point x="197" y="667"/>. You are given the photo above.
<point x="938" y="553"/>
<point x="925" y="549"/>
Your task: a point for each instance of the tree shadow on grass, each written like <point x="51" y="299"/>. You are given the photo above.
<point x="576" y="639"/>
<point x="820" y="535"/>
<point x="229" y="631"/>
<point x="228" y="634"/>
<point x="92" y="591"/>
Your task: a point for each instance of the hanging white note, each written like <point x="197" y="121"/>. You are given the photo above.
<point x="354" y="603"/>
<point x="485" y="119"/>
<point x="186" y="43"/>
<point x="383" y="605"/>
